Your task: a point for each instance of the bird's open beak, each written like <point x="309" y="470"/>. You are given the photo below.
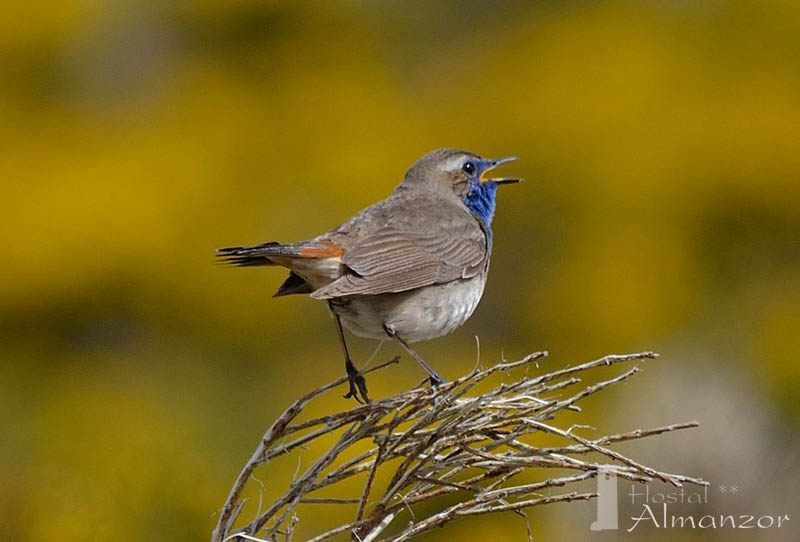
<point x="491" y="164"/>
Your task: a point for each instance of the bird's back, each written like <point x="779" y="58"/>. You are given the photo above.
<point x="413" y="238"/>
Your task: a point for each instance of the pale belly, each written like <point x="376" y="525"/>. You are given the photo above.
<point x="417" y="315"/>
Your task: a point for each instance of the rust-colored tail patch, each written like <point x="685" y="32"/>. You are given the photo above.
<point x="329" y="250"/>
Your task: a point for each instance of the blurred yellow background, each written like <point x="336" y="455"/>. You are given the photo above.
<point x="660" y="142"/>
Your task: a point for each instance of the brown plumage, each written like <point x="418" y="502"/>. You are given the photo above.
<point x="411" y="266"/>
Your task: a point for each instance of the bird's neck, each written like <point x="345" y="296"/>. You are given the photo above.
<point x="481" y="202"/>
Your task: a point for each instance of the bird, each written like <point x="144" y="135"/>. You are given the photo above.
<point x="411" y="267"/>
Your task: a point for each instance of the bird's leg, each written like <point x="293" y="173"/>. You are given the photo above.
<point x="436" y="378"/>
<point x="357" y="381"/>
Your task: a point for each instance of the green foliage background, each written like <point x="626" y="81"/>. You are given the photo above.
<point x="660" y="142"/>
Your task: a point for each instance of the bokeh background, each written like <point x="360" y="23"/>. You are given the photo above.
<point x="660" y="141"/>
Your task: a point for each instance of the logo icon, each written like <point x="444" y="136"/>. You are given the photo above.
<point x="607" y="518"/>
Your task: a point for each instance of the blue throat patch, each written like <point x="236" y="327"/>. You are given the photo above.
<point x="481" y="202"/>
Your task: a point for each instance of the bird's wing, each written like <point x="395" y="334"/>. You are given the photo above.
<point x="399" y="257"/>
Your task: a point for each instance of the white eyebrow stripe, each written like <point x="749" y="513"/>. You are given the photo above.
<point x="454" y="163"/>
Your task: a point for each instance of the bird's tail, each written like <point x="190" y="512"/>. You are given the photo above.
<point x="276" y="253"/>
<point x="254" y="256"/>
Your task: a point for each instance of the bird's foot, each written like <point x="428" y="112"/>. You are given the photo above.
<point x="436" y="381"/>
<point x="358" y="384"/>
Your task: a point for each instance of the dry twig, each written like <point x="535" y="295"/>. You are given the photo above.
<point x="434" y="442"/>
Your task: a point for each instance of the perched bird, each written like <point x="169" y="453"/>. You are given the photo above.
<point x="411" y="267"/>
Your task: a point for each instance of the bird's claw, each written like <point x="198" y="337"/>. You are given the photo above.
<point x="436" y="381"/>
<point x="358" y="384"/>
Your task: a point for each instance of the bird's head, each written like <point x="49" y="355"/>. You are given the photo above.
<point x="460" y="173"/>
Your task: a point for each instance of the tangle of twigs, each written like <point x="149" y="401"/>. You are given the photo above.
<point x="428" y="443"/>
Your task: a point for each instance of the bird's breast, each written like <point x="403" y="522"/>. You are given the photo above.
<point x="416" y="315"/>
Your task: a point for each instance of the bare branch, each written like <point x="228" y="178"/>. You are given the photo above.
<point x="429" y="443"/>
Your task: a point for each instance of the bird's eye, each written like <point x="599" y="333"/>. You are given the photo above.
<point x="469" y="168"/>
